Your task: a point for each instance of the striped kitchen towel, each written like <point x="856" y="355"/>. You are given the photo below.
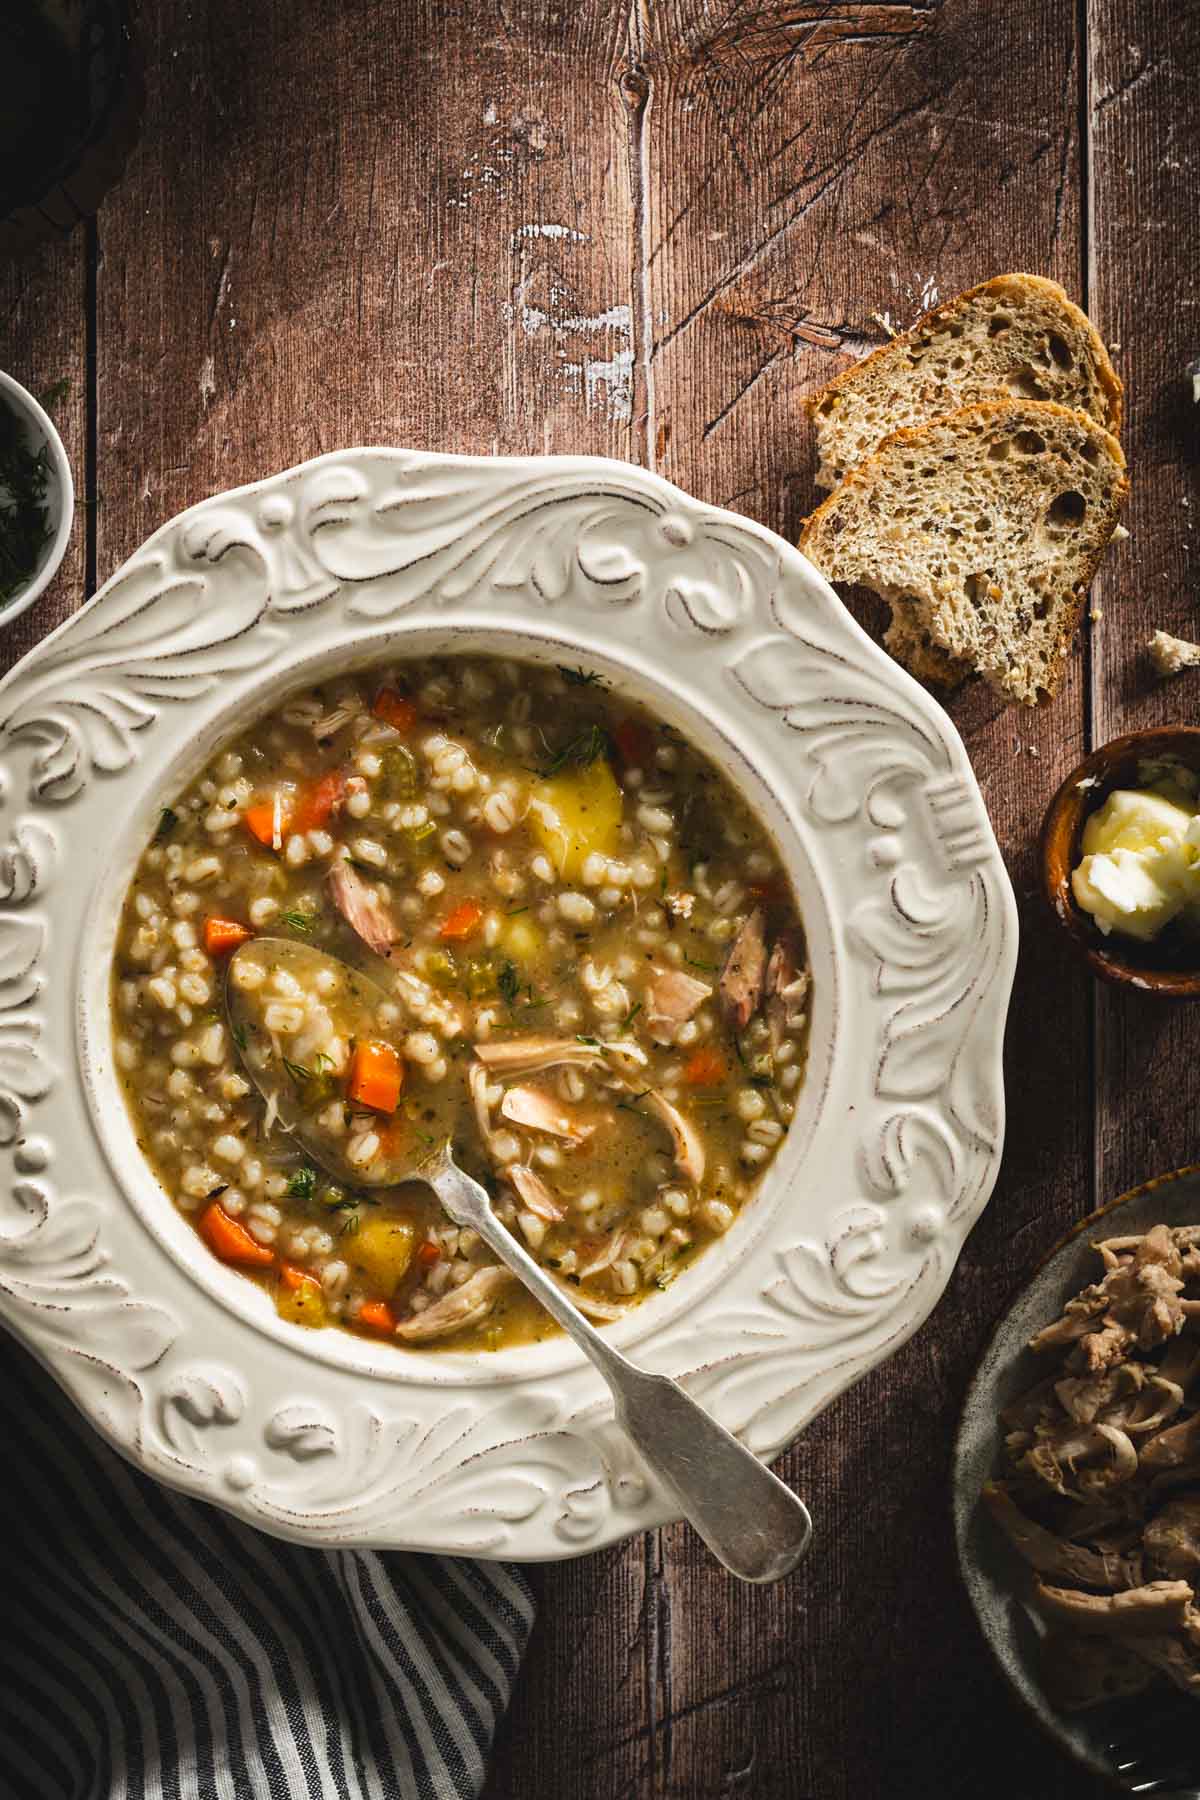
<point x="152" y="1648"/>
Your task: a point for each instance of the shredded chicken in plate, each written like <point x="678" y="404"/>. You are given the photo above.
<point x="1101" y="1495"/>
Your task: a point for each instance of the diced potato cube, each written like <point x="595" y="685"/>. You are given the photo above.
<point x="523" y="939"/>
<point x="572" y="815"/>
<point x="382" y="1249"/>
<point x="303" y="1305"/>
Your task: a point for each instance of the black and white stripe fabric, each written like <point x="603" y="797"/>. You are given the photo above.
<point x="152" y="1648"/>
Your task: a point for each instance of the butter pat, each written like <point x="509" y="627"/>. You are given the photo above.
<point x="1141" y="863"/>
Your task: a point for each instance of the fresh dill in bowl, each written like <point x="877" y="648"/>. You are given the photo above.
<point x="25" y="525"/>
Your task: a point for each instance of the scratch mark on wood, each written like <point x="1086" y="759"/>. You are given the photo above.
<point x="836" y="175"/>
<point x="222" y="288"/>
<point x="1130" y="85"/>
<point x="768" y="36"/>
<point x="746" y="388"/>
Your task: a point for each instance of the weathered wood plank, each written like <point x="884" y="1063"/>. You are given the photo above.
<point x="43" y="341"/>
<point x="813" y="172"/>
<point x="1144" y="113"/>
<point x="380" y="225"/>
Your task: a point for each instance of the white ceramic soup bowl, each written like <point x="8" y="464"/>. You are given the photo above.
<point x="723" y="631"/>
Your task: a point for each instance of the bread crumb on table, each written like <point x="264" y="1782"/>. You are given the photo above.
<point x="1171" y="655"/>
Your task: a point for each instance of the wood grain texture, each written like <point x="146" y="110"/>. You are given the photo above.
<point x="1144" y="110"/>
<point x="378" y="225"/>
<point x="645" y="230"/>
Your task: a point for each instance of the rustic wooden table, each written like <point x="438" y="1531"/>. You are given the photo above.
<point x="646" y="230"/>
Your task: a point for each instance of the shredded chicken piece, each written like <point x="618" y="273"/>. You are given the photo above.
<point x="540" y="1112"/>
<point x="331" y="723"/>
<point x="531" y="1055"/>
<point x="590" y="1305"/>
<point x="1084" y="1459"/>
<point x="1053" y="1555"/>
<point x="362" y="909"/>
<point x="611" y="1252"/>
<point x="1156" y="1606"/>
<point x="786" y="988"/>
<point x="741" y="980"/>
<point x="1176" y="1445"/>
<point x="534" y="1193"/>
<point x="671" y="999"/>
<point x="534" y="1055"/>
<point x="459" y="1309"/>
<point x="685" y="1140"/>
<point x="1172" y="1539"/>
<point x="477" y="1082"/>
<point x="1106" y="1456"/>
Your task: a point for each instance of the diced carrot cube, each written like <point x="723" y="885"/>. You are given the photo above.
<point x="394" y="710"/>
<point x="223" y="935"/>
<point x="429" y="1253"/>
<point x="376" y="1076"/>
<point x="318" y="802"/>
<point x="262" y="817"/>
<point x="231" y="1241"/>
<point x="704" y="1068"/>
<point x="376" y="1315"/>
<point x="462" y="922"/>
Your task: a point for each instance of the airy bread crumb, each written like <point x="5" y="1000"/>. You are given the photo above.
<point x="1015" y="337"/>
<point x="982" y="530"/>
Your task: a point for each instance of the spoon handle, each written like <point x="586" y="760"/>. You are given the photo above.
<point x="750" y="1521"/>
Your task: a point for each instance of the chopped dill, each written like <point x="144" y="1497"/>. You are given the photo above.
<point x="581" y="752"/>
<point x="302" y="1182"/>
<point x="579" y="677"/>
<point x="295" y="920"/>
<point x="509" y="983"/>
<point x="25" y="528"/>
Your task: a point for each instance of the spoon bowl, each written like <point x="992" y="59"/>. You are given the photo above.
<point x="299" y="1088"/>
<point x="751" y="1522"/>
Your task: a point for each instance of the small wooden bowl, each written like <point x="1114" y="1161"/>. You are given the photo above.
<point x="1166" y="966"/>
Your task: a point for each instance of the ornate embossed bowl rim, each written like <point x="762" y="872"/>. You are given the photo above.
<point x="728" y="633"/>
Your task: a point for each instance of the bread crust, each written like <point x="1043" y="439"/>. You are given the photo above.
<point x="1016" y="287"/>
<point x="863" y="476"/>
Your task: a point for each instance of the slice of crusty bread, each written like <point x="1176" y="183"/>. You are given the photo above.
<point x="1016" y="337"/>
<point x="982" y="529"/>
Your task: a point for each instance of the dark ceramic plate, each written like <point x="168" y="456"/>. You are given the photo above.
<point x="991" y="1572"/>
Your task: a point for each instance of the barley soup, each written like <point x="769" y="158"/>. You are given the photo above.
<point x="596" y="987"/>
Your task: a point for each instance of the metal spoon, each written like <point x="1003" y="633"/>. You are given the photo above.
<point x="750" y="1521"/>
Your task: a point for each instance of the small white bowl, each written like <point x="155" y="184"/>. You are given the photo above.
<point x="60" y="494"/>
